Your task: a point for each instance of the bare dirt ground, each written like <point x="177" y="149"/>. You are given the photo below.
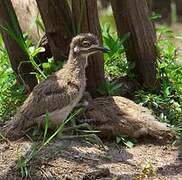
<point x="71" y="160"/>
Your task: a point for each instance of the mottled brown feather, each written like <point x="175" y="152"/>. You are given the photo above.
<point x="57" y="95"/>
<point x="118" y="115"/>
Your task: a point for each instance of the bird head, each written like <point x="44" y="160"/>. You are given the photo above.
<point x="86" y="45"/>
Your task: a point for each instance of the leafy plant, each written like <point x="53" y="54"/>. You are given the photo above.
<point x="23" y="162"/>
<point x="155" y="16"/>
<point x="147" y="172"/>
<point x="11" y="95"/>
<point x="39" y="23"/>
<point x="123" y="139"/>
<point x="115" y="62"/>
<point x="166" y="102"/>
<point x="50" y="66"/>
<point x="109" y="88"/>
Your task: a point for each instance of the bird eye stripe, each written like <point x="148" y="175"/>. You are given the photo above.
<point x="86" y="43"/>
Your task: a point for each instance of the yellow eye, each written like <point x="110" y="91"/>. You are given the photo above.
<point x="86" y="43"/>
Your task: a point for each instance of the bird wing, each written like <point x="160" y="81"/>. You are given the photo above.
<point x="48" y="96"/>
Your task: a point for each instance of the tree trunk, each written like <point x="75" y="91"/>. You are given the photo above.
<point x="149" y="3"/>
<point x="56" y="16"/>
<point x="27" y="12"/>
<point x="131" y="16"/>
<point x="42" y="56"/>
<point x="104" y="3"/>
<point x="163" y="7"/>
<point x="179" y="10"/>
<point x="86" y="19"/>
<point x="16" y="47"/>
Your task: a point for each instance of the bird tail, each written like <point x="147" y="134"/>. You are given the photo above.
<point x="13" y="128"/>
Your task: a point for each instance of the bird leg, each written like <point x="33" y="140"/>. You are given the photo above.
<point x="94" y="137"/>
<point x="16" y="126"/>
<point x="85" y="101"/>
<point x="84" y="125"/>
<point x="82" y="104"/>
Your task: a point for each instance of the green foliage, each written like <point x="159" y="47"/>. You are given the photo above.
<point x="155" y="16"/>
<point x="109" y="88"/>
<point x="115" y="62"/>
<point x="39" y="23"/>
<point x="11" y="94"/>
<point x="32" y="52"/>
<point x="23" y="162"/>
<point x="50" y="66"/>
<point x="122" y="139"/>
<point x="166" y="103"/>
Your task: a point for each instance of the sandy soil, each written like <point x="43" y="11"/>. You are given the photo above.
<point x="68" y="159"/>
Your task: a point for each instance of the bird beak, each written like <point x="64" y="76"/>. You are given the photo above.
<point x="93" y="49"/>
<point x="103" y="49"/>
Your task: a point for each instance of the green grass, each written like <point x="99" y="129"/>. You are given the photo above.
<point x="23" y="162"/>
<point x="166" y="103"/>
<point x="115" y="62"/>
<point x="11" y="94"/>
<point x="88" y="135"/>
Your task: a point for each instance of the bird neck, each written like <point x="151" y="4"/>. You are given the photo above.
<point x="78" y="63"/>
<point x="75" y="69"/>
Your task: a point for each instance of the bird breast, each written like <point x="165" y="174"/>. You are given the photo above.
<point x="56" y="117"/>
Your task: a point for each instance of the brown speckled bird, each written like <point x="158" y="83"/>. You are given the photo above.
<point x="117" y="115"/>
<point x="58" y="94"/>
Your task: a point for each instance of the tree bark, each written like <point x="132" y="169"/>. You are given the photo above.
<point x="42" y="56"/>
<point x="163" y="7"/>
<point x="131" y="16"/>
<point x="104" y="3"/>
<point x="179" y="10"/>
<point x="149" y="3"/>
<point x="86" y="20"/>
<point x="56" y="16"/>
<point x="27" y="12"/>
<point x="17" y="53"/>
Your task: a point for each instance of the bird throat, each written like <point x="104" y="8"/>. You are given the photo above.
<point x="76" y="66"/>
<point x="78" y="62"/>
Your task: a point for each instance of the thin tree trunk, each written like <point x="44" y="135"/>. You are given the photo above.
<point x="56" y="16"/>
<point x="42" y="56"/>
<point x="149" y="3"/>
<point x="179" y="10"/>
<point x="17" y="54"/>
<point x="27" y="12"/>
<point x="86" y="20"/>
<point x="131" y="16"/>
<point x="163" y="7"/>
<point x="104" y="3"/>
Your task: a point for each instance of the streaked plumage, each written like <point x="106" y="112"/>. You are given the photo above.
<point x="59" y="94"/>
